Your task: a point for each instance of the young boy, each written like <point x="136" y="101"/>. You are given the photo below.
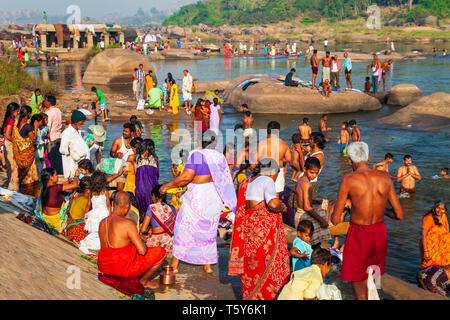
<point x="297" y="160"/>
<point x="367" y="85"/>
<point x="305" y="209"/>
<point x="355" y="131"/>
<point x="344" y="139"/>
<point x="304" y="284"/>
<point x="326" y="88"/>
<point x="407" y="176"/>
<point x="102" y="100"/>
<point x="444" y="173"/>
<point x="384" y="165"/>
<point x="301" y="248"/>
<point x="305" y="131"/>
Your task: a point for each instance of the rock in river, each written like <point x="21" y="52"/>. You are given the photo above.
<point x="404" y="94"/>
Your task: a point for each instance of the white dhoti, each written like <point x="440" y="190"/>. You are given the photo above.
<point x="187" y="96"/>
<point x="249" y="132"/>
<point x="280" y="183"/>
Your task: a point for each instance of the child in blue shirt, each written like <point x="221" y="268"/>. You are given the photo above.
<point x="301" y="250"/>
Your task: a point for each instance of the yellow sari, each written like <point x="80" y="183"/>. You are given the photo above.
<point x="174" y="100"/>
<point x="148" y="84"/>
<point x="24" y="155"/>
<point x="438" y="241"/>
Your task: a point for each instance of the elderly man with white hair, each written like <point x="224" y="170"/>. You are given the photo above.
<point x="366" y="244"/>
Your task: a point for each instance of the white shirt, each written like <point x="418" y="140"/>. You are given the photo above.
<point x="187" y="83"/>
<point x="262" y="188"/>
<point x="73" y="149"/>
<point x="102" y="44"/>
<point x="334" y="67"/>
<point x="85" y="111"/>
<point x="325" y="42"/>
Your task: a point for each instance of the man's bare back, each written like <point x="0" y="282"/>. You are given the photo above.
<point x="274" y="148"/>
<point x="314" y="61"/>
<point x="247" y="122"/>
<point x="369" y="190"/>
<point x="305" y="131"/>
<point x="356" y="133"/>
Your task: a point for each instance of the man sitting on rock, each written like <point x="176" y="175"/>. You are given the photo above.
<point x="288" y="80"/>
<point x="123" y="253"/>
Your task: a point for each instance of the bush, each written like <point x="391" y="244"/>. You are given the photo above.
<point x="14" y="78"/>
<point x="113" y="45"/>
<point x="92" y="52"/>
<point x="307" y="20"/>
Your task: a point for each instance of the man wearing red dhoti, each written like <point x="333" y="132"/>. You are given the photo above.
<point x="123" y="253"/>
<point x="259" y="251"/>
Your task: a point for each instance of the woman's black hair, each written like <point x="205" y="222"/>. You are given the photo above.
<point x="198" y="103"/>
<point x="209" y="140"/>
<point x="133" y="119"/>
<point x="85" y="184"/>
<point x="36" y="117"/>
<point x="36" y="90"/>
<point x="8" y="114"/>
<point x="98" y="182"/>
<point x="265" y="165"/>
<point x="159" y="195"/>
<point x="86" y="164"/>
<point x="148" y="146"/>
<point x="244" y="166"/>
<point x="24" y="111"/>
<point x="319" y="139"/>
<point x="136" y="141"/>
<point x="46" y="174"/>
<point x="433" y="211"/>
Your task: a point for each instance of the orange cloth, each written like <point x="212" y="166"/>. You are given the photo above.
<point x="126" y="262"/>
<point x="438" y="241"/>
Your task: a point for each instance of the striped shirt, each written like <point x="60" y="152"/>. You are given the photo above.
<point x="140" y="74"/>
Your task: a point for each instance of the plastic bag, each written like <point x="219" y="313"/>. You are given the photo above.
<point x="371" y="287"/>
<point x="329" y="292"/>
<point x="140" y="105"/>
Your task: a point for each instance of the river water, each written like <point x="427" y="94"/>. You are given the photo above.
<point x="430" y="150"/>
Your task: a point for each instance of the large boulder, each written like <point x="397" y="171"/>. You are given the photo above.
<point x="269" y="95"/>
<point x="429" y="21"/>
<point x="404" y="94"/>
<point x="393" y="23"/>
<point x="432" y="111"/>
<point x="115" y="66"/>
<point x="176" y="32"/>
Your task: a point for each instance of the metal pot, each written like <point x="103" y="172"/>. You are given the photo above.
<point x="167" y="276"/>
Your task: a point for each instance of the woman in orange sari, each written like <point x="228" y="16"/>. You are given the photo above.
<point x="24" y="136"/>
<point x="435" y="237"/>
<point x="259" y="251"/>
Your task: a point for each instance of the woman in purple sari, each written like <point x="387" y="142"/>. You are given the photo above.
<point x="209" y="186"/>
<point x="147" y="173"/>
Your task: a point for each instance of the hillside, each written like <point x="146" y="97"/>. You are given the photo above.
<point x="240" y="12"/>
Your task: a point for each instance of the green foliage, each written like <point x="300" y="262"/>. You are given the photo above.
<point x="238" y="12"/>
<point x="14" y="78"/>
<point x="113" y="45"/>
<point x="307" y="20"/>
<point x="92" y="52"/>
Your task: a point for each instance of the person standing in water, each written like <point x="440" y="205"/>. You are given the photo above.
<point x="305" y="131"/>
<point x="366" y="243"/>
<point x="407" y="175"/>
<point x="384" y="165"/>
<point x="323" y="125"/>
<point x="355" y="131"/>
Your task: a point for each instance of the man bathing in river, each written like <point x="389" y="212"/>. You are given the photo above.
<point x="344" y="139"/>
<point x="385" y="67"/>
<point x="275" y="148"/>
<point x="305" y="131"/>
<point x="315" y="68"/>
<point x="366" y="242"/>
<point x="297" y="156"/>
<point x="323" y="125"/>
<point x="384" y="165"/>
<point x="123" y="253"/>
<point x="407" y="175"/>
<point x="355" y="131"/>
<point x="247" y="124"/>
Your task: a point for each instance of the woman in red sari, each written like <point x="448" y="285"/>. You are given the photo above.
<point x="259" y="251"/>
<point x="201" y="114"/>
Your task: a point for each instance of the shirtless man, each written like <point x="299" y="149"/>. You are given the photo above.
<point x="305" y="131"/>
<point x="366" y="242"/>
<point x="315" y="68"/>
<point x="242" y="155"/>
<point x="275" y="148"/>
<point x="407" y="175"/>
<point x="326" y="67"/>
<point x="118" y="235"/>
<point x="323" y="125"/>
<point x="384" y="165"/>
<point x="121" y="149"/>
<point x="305" y="202"/>
<point x="247" y="124"/>
<point x="298" y="157"/>
<point x="344" y="139"/>
<point x="355" y="131"/>
<point x="385" y="67"/>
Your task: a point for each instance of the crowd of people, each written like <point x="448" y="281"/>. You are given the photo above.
<point x="116" y="208"/>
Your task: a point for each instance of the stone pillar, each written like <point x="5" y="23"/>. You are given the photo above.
<point x="106" y="38"/>
<point x="90" y="39"/>
<point x="44" y="40"/>
<point x="121" y="37"/>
